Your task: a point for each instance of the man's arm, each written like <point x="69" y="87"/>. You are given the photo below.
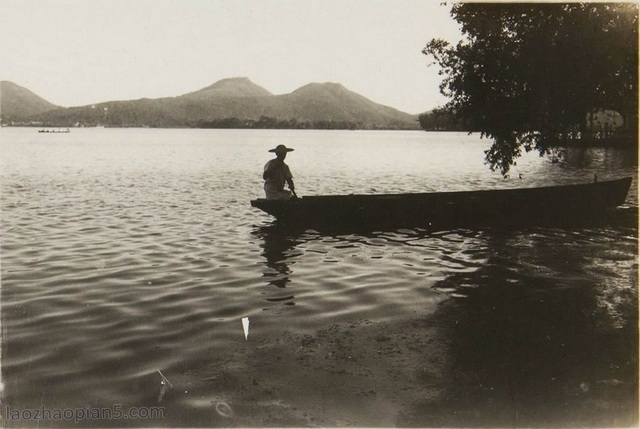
<point x="292" y="187"/>
<point x="288" y="177"/>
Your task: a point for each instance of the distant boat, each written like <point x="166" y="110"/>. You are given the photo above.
<point x="553" y="205"/>
<point x="54" y="130"/>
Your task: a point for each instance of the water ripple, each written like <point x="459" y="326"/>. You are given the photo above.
<point x="119" y="259"/>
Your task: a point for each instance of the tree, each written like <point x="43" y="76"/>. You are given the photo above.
<point x="527" y="73"/>
<point x="440" y="119"/>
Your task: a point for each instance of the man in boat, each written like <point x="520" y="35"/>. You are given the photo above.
<point x="276" y="173"/>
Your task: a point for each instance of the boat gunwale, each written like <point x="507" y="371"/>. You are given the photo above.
<point x="417" y="195"/>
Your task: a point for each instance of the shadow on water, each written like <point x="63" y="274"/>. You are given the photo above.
<point x="544" y="335"/>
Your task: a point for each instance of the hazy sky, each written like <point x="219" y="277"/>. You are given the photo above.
<point x="78" y="52"/>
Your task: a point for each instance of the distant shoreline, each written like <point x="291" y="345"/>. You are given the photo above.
<point x="299" y="126"/>
<point x="622" y="142"/>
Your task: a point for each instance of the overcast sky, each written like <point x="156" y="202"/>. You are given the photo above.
<point x="78" y="52"/>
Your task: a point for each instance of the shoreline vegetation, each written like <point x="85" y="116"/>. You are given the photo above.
<point x="265" y="122"/>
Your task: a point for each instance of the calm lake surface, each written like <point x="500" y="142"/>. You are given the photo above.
<point x="130" y="252"/>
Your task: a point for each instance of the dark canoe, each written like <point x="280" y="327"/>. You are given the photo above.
<point x="554" y="205"/>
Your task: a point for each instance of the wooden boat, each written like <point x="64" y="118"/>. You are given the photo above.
<point x="56" y="131"/>
<point x="554" y="205"/>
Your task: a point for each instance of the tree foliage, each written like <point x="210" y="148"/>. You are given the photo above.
<point x="267" y="122"/>
<point x="526" y="73"/>
<point x="441" y="120"/>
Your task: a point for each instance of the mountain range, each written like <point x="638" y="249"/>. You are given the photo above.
<point x="231" y="103"/>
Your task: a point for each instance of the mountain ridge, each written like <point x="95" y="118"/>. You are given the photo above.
<point x="17" y="101"/>
<point x="236" y="101"/>
<point x="231" y="87"/>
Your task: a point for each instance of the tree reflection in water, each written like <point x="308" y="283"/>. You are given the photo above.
<point x="541" y="336"/>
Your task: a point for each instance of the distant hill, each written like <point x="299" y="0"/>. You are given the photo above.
<point x="333" y="102"/>
<point x="230" y="88"/>
<point x="17" y="102"/>
<point x="239" y="103"/>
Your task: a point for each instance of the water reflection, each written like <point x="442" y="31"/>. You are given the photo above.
<point x="607" y="159"/>
<point x="544" y="334"/>
<point x="278" y="248"/>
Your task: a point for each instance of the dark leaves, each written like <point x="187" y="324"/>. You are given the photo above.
<point x="527" y="72"/>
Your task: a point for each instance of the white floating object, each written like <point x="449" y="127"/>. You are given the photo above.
<point x="245" y="326"/>
<point x="164" y="381"/>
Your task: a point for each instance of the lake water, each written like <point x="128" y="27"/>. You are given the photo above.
<point x="131" y="253"/>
